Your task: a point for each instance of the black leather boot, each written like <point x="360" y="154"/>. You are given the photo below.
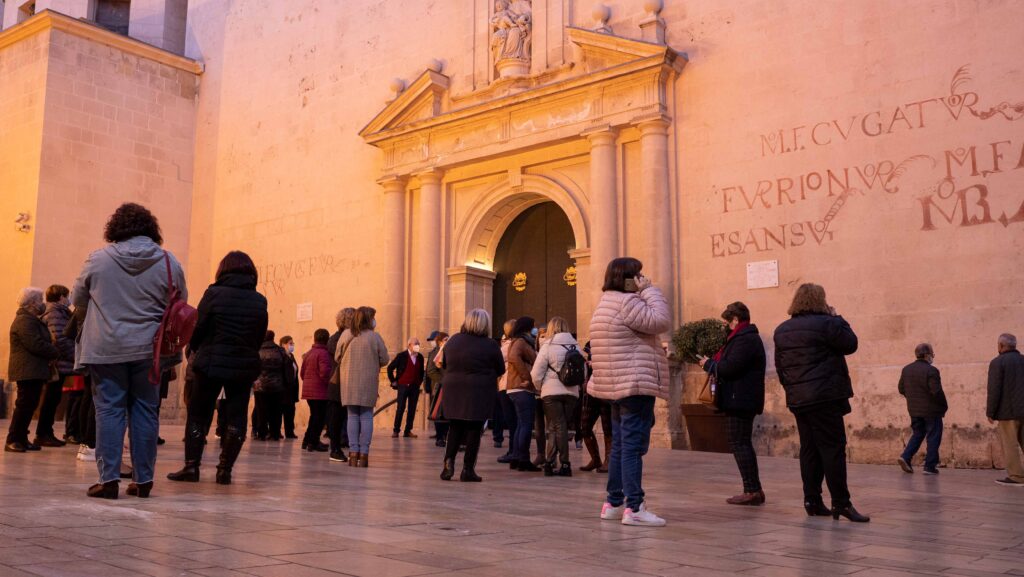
<point x="195" y="442"/>
<point x="816" y="508"/>
<point x="565" y="470"/>
<point x="850" y="513"/>
<point x="449" y="470"/>
<point x="106" y="490"/>
<point x="233" y="440"/>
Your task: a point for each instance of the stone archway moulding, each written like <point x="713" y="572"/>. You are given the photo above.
<point x="481" y="229"/>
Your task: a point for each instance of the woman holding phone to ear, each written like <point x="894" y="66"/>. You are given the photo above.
<point x="631" y="371"/>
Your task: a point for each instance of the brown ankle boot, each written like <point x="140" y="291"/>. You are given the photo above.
<point x="607" y="455"/>
<point x="353" y="459"/>
<point x="595" y="454"/>
<point x="364" y="460"/>
<point x="753" y="499"/>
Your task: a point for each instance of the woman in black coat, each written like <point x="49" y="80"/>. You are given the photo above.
<point x="810" y="357"/>
<point x="226" y="344"/>
<point x="739" y="372"/>
<point x="473" y="363"/>
<point x="32" y="352"/>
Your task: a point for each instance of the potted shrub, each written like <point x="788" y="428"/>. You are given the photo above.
<point x="705" y="426"/>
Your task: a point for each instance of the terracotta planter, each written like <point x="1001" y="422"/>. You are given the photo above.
<point x="706" y="428"/>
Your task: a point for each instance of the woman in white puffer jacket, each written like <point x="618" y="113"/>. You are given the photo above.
<point x="631" y="371"/>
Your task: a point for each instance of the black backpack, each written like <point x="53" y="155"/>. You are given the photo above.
<point x="574" y="368"/>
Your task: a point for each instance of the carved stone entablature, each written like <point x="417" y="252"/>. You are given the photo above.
<point x="618" y="82"/>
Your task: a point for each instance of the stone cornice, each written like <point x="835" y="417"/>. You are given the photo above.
<point x="621" y="80"/>
<point x="50" y="20"/>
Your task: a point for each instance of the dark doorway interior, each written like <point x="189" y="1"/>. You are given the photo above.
<point x="535" y="244"/>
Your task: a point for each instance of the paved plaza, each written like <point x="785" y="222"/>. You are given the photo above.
<point x="295" y="514"/>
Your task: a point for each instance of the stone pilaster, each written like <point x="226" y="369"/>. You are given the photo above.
<point x="391" y="317"/>
<point x="426" y="262"/>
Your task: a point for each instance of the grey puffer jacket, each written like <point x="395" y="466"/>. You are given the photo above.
<point x="124" y="286"/>
<point x="57" y="317"/>
<point x="627" y="358"/>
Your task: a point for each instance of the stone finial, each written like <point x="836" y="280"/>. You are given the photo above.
<point x="652" y="27"/>
<point x="601" y="15"/>
<point x="397" y="85"/>
<point x="435" y="65"/>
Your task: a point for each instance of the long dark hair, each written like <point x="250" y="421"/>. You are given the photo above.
<point x="618" y="271"/>
<point x="363" y="320"/>
<point x="237" y="262"/>
<point x="131" y="220"/>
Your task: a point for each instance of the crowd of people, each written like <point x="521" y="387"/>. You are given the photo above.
<point x="537" y="383"/>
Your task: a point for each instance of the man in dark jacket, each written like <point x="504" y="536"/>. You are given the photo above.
<point x="921" y="385"/>
<point x="291" y="378"/>
<point x="407" y="373"/>
<point x="31" y="353"/>
<point x="810" y="358"/>
<point x="1006" y="406"/>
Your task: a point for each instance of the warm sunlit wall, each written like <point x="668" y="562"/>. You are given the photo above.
<point x="22" y="98"/>
<point x="282" y="173"/>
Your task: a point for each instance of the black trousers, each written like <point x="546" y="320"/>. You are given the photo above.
<point x="740" y="432"/>
<point x="51" y="394"/>
<point x="467" y="432"/>
<point x="234" y="408"/>
<point x="317" y="416"/>
<point x="269" y="412"/>
<point x="408" y="398"/>
<point x="24" y="406"/>
<point x="87" y="415"/>
<point x="337" y="425"/>
<point x="72" y="408"/>
<point x="508" y="419"/>
<point x="288" y="415"/>
<point x="540" y="428"/>
<point x="823" y="453"/>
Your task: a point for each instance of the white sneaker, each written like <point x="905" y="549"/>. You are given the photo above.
<point x="642" y="517"/>
<point x="86" y="454"/>
<point x="609" y="513"/>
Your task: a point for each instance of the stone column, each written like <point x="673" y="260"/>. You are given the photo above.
<point x="426" y="260"/>
<point x="604" y="208"/>
<point x="654" y="183"/>
<point x="470" y="288"/>
<point x="390" y="320"/>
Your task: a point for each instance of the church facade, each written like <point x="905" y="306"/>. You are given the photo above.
<point x="427" y="158"/>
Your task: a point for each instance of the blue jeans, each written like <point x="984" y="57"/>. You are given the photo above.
<point x="632" y="421"/>
<point x="124" y="397"/>
<point x="360" y="429"/>
<point x="508" y="417"/>
<point x="525" y="405"/>
<point x="925" y="428"/>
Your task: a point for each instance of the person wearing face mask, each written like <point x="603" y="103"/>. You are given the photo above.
<point x="291" y="383"/>
<point x="31" y="355"/>
<point x="406" y="373"/>
<point x="739" y="368"/>
<point x="316" y="373"/>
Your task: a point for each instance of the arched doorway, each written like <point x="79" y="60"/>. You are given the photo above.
<point x="531" y="264"/>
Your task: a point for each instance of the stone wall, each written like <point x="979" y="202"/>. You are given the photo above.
<point x="22" y="100"/>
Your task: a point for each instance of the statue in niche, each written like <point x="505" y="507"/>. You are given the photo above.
<point x="511" y="37"/>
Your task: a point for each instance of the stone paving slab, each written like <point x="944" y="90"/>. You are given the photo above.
<point x="296" y="514"/>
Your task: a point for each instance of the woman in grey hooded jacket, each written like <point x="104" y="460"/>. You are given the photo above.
<point x="125" y="287"/>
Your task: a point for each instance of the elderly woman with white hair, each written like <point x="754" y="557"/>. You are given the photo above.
<point x="473" y="364"/>
<point x="30" y="365"/>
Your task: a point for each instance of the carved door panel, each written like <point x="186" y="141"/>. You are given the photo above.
<point x="531" y="264"/>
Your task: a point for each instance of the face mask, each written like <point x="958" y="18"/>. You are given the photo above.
<point x="535" y="332"/>
<point x="291" y="348"/>
<point x="374" y="323"/>
<point x="415" y="348"/>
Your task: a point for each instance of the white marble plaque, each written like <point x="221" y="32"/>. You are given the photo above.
<point x="304" y="312"/>
<point x="763" y="274"/>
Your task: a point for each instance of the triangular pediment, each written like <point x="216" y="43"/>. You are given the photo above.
<point x="421" y="100"/>
<point x="601" y="50"/>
